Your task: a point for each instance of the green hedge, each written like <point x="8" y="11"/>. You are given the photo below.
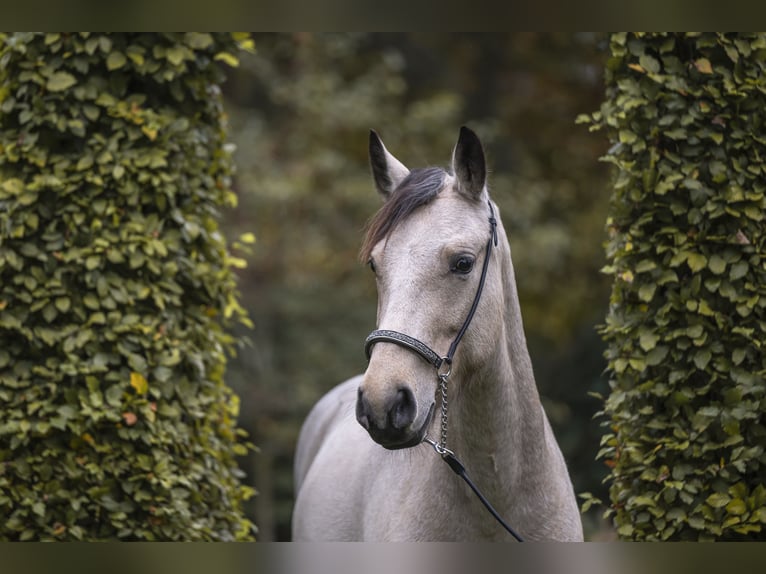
<point x="686" y="114"/>
<point x="116" y="286"/>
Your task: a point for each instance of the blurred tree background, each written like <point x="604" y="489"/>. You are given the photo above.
<point x="299" y="111"/>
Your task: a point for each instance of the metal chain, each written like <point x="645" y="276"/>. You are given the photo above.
<point x="441" y="446"/>
<point x="443" y="379"/>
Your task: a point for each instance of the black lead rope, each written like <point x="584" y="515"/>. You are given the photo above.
<point x="458" y="468"/>
<point x="433" y="358"/>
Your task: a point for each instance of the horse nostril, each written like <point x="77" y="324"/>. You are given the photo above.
<point x="361" y="410"/>
<point x="402" y="412"/>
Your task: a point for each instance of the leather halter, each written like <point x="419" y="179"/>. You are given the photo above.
<point x="419" y="347"/>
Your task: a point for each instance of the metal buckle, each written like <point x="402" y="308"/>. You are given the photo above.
<point x="440" y="450"/>
<point x="448" y="372"/>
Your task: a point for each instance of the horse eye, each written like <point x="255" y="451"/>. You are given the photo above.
<point x="462" y="264"/>
<point x="371" y="263"/>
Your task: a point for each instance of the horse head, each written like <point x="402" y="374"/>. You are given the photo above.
<point x="427" y="247"/>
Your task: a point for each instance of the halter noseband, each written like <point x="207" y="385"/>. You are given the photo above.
<point x="419" y="347"/>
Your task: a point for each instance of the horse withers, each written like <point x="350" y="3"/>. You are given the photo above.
<point x="365" y="468"/>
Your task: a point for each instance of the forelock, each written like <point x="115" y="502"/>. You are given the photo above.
<point x="417" y="189"/>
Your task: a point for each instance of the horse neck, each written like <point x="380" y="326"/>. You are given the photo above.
<point x="500" y="425"/>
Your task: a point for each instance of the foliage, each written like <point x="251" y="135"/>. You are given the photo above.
<point x="301" y="110"/>
<point x="116" y="286"/>
<point x="687" y="322"/>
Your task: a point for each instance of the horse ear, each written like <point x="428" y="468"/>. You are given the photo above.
<point x="468" y="164"/>
<point x="387" y="171"/>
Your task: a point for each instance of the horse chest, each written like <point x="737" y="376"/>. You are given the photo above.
<point x="423" y="501"/>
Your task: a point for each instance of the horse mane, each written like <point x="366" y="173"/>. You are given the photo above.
<point x="417" y="189"/>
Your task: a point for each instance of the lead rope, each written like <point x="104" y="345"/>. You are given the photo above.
<point x="452" y="461"/>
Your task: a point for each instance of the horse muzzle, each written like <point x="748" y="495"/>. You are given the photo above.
<point x="394" y="428"/>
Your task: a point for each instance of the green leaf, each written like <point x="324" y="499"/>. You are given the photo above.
<point x="648" y="340"/>
<point x="643" y="501"/>
<point x="60" y="81"/>
<point x="175" y="55"/>
<point x="115" y="61"/>
<point x="137" y="58"/>
<point x="710" y="411"/>
<point x="227" y="58"/>
<point x="697" y="522"/>
<point x="754" y="212"/>
<point x="91" y="301"/>
<point x="646" y="292"/>
<point x="737" y="507"/>
<point x="656" y="355"/>
<point x="198" y="40"/>
<point x="49" y="313"/>
<point x="113" y="396"/>
<point x="696" y="261"/>
<point x="625" y="530"/>
<point x="704" y="309"/>
<point x="637" y="364"/>
<point x="85" y="162"/>
<point x="667" y="276"/>
<point x="717" y="264"/>
<point x="738" y="270"/>
<point x="718" y="500"/>
<point x="676" y="514"/>
<point x="702" y="358"/>
<point x="91" y="112"/>
<point x="12" y="187"/>
<point x="627" y="136"/>
<point x="695" y="331"/>
<point x="63" y="304"/>
<point x="652" y="65"/>
<point x="717" y="169"/>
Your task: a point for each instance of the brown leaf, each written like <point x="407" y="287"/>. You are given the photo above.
<point x="704" y="66"/>
<point x="129" y="418"/>
<point x="742" y="238"/>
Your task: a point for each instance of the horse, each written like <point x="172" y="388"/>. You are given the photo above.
<point x="365" y="467"/>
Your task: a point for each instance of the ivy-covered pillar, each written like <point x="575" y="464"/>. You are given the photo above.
<point x="116" y="287"/>
<point x="686" y="329"/>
